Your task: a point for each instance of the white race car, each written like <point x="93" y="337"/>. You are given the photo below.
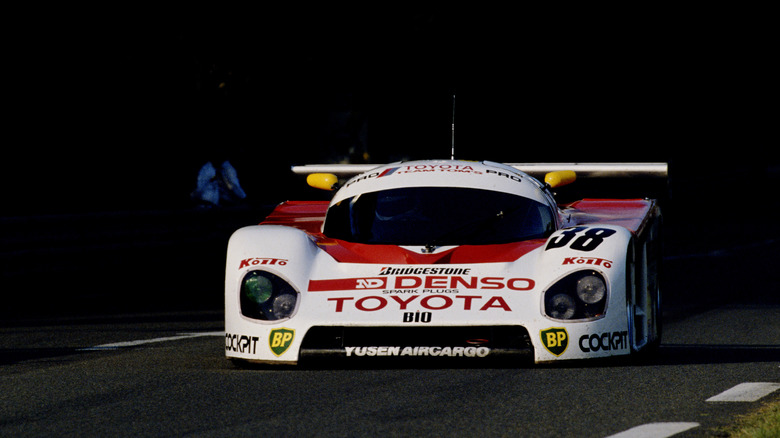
<point x="446" y="259"/>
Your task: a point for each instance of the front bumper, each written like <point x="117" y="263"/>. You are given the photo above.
<point x="465" y="342"/>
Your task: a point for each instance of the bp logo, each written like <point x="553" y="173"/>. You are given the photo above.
<point x="280" y="340"/>
<point x="555" y="340"/>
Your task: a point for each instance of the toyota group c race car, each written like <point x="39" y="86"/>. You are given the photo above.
<point x="445" y="259"/>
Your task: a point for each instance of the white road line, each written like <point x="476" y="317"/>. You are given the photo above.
<point x="655" y="430"/>
<point x="746" y="392"/>
<point x="138" y="342"/>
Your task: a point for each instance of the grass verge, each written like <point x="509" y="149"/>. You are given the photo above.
<point x="763" y="423"/>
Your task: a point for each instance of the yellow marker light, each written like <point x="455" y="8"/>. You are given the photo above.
<point x="322" y="181"/>
<point x="560" y="178"/>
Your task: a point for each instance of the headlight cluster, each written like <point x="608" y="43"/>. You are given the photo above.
<point x="267" y="296"/>
<point x="581" y="295"/>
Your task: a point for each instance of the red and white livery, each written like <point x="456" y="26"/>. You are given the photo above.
<point x="445" y="259"/>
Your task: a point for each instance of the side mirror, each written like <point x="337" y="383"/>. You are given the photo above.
<point x="560" y="178"/>
<point x="323" y="181"/>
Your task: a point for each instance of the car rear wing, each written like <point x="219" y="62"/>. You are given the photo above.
<point x="536" y="170"/>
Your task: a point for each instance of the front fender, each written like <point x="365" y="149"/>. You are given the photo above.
<point x="601" y="248"/>
<point x="284" y="251"/>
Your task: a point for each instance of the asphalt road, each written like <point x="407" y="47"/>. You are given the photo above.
<point x="164" y="374"/>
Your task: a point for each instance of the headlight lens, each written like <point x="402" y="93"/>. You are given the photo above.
<point x="591" y="289"/>
<point x="579" y="295"/>
<point x="562" y="306"/>
<point x="257" y="288"/>
<point x="267" y="296"/>
<point x="284" y="305"/>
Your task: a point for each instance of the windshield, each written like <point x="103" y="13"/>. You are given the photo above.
<point x="438" y="216"/>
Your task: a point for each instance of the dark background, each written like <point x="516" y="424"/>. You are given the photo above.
<point x="111" y="112"/>
<point x="117" y="109"/>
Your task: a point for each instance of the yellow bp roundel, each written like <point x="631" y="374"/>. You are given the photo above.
<point x="280" y="340"/>
<point x="555" y="340"/>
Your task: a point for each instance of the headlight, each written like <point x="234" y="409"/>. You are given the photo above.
<point x="591" y="289"/>
<point x="580" y="295"/>
<point x="562" y="306"/>
<point x="284" y="305"/>
<point x="257" y="288"/>
<point x="267" y="296"/>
